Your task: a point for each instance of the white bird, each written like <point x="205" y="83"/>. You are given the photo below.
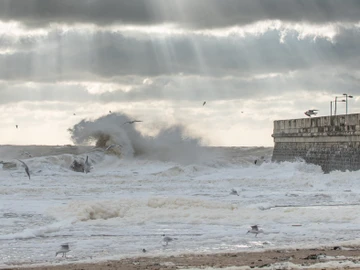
<point x="87" y="165"/>
<point x="64" y="249"/>
<point x="255" y="230"/>
<point x="112" y="146"/>
<point x="26" y="153"/>
<point x="168" y="239"/>
<point x="132" y="122"/>
<point x="26" y="168"/>
<point x="311" y="112"/>
<point x="234" y="192"/>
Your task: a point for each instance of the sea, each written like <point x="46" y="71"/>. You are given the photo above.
<point x="142" y="187"/>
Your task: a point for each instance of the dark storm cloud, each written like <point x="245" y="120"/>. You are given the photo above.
<point x="186" y="13"/>
<point x="104" y="55"/>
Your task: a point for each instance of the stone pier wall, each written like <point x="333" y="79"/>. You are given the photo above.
<point x="333" y="142"/>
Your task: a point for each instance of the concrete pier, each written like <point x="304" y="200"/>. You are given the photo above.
<point x="333" y="142"/>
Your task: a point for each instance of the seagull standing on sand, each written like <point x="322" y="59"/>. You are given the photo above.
<point x="168" y="239"/>
<point x="64" y="249"/>
<point x="255" y="230"/>
<point x="26" y="168"/>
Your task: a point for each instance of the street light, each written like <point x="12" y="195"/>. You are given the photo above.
<point x="331" y="108"/>
<point x="347" y="96"/>
<point x="336" y="101"/>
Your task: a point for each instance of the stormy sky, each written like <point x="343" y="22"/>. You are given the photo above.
<point x="252" y="61"/>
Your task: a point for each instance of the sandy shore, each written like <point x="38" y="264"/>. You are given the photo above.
<point x="320" y="258"/>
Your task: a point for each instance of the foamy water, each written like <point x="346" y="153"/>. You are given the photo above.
<point x="126" y="203"/>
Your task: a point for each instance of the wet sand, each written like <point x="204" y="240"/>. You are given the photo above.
<point x="320" y="258"/>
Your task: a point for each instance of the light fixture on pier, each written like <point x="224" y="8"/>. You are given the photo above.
<point x="336" y="101"/>
<point x="346" y="100"/>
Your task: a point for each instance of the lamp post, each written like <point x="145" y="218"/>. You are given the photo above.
<point x="331" y="108"/>
<point x="346" y="100"/>
<point x="336" y="101"/>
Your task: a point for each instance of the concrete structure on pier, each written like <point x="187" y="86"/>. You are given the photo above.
<point x="333" y="142"/>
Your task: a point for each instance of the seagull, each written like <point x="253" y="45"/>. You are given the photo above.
<point x="144" y="250"/>
<point x="311" y="112"/>
<point x="255" y="230"/>
<point x="132" y="122"/>
<point x="234" y="192"/>
<point x="168" y="239"/>
<point x="64" y="249"/>
<point x="204" y="103"/>
<point x="74" y="113"/>
<point x="259" y="161"/>
<point x="109" y="111"/>
<point x="26" y="153"/>
<point x="111" y="146"/>
<point x="26" y="168"/>
<point x="87" y="165"/>
<point x="16" y="126"/>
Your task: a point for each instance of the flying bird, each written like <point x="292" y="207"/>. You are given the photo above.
<point x="234" y="192"/>
<point x="311" y="112"/>
<point x="64" y="249"/>
<point x="26" y="168"/>
<point x="204" y="103"/>
<point x="87" y="165"/>
<point x="112" y="146"/>
<point x="255" y="230"/>
<point x="132" y="122"/>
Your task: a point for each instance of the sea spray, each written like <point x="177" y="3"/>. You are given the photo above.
<point x="170" y="144"/>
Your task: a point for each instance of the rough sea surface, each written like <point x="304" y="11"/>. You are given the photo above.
<point x="167" y="184"/>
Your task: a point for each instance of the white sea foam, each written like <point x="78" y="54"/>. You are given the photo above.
<point x="37" y="232"/>
<point x="166" y="184"/>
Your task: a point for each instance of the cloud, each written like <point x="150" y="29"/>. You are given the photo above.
<point x="270" y="59"/>
<point x="200" y="14"/>
<point x="193" y="88"/>
<point x="104" y="55"/>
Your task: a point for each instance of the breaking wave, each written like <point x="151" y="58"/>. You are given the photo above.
<point x="170" y="144"/>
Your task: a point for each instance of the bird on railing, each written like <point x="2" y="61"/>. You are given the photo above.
<point x="311" y="112"/>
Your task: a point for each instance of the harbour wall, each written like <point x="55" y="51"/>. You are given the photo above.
<point x="332" y="142"/>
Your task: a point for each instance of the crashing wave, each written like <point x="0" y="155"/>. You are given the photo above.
<point x="170" y="144"/>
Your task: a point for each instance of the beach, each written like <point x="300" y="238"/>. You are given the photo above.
<point x="317" y="258"/>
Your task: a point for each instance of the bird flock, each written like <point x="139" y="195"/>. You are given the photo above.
<point x="65" y="248"/>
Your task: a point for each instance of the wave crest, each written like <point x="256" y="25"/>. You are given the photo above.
<point x="170" y="144"/>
